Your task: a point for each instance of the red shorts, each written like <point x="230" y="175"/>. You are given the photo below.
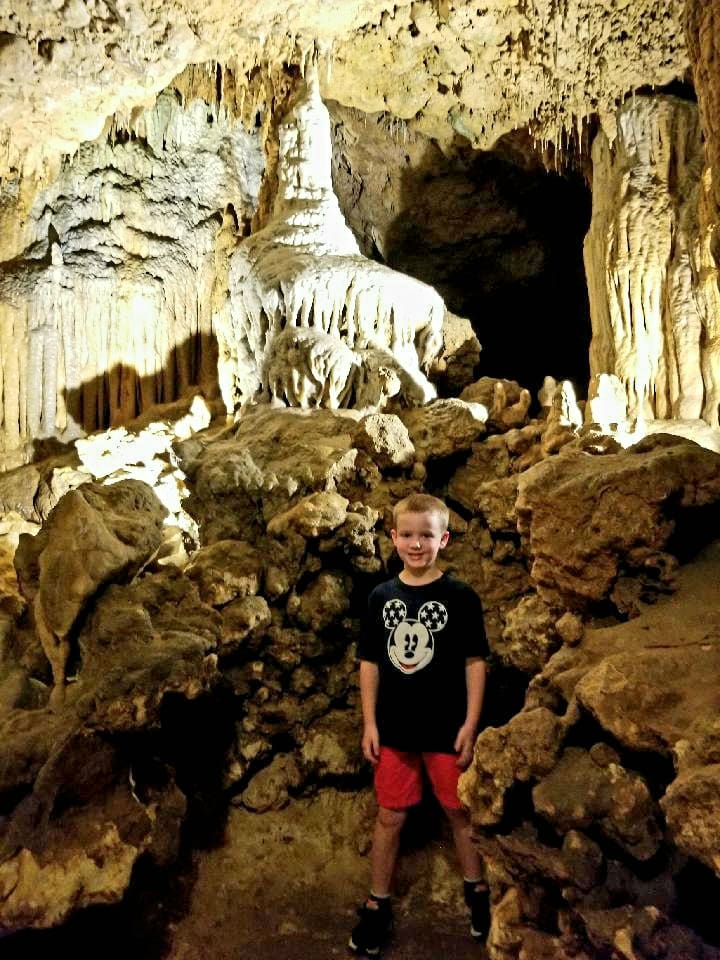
<point x="398" y="778"/>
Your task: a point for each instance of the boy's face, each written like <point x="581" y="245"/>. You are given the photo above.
<point x="418" y="539"/>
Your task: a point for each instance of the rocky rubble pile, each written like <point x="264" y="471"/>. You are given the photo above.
<point x="293" y="509"/>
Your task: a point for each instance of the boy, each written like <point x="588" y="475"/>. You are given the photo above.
<point x="422" y="678"/>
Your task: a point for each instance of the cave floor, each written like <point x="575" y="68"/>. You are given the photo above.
<point x="284" y="886"/>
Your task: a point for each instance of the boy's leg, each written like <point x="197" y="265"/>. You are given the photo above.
<point x="385" y="845"/>
<point x="398" y="785"/>
<point x="470" y="862"/>
<point x="444" y="775"/>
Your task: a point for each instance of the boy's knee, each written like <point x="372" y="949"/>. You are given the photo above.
<point x="457" y="816"/>
<point x="391" y="819"/>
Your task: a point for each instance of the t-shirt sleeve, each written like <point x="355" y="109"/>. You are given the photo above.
<point x="369" y="644"/>
<point x="476" y="644"/>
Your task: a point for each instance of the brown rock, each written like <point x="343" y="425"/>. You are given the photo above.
<point x="269" y="789"/>
<point x="323" y="602"/>
<point x="331" y="747"/>
<point x="313" y="516"/>
<point x="489" y="461"/>
<point x="444" y="427"/>
<point x="95" y="535"/>
<point x="143" y="641"/>
<point x="584" y="517"/>
<point x="241" y="619"/>
<point x="385" y="437"/>
<point x="526" y="747"/>
<point x="578" y="794"/>
<point x="225" y="571"/>
<point x="692" y="810"/>
<point x="529" y="638"/>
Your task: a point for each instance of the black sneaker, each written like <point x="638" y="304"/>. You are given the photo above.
<point x="374" y="928"/>
<point x="479" y="903"/>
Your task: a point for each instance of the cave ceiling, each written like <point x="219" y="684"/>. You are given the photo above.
<point x="447" y="68"/>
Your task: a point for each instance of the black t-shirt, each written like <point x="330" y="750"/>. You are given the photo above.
<point x="420" y="638"/>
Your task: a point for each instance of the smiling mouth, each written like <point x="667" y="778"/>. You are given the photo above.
<point x="407" y="666"/>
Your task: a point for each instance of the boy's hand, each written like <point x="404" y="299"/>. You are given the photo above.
<point x="464" y="743"/>
<point x="371" y="744"/>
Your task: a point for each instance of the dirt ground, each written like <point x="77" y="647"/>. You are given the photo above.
<point x="285" y="885"/>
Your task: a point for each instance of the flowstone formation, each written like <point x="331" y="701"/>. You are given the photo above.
<point x="652" y="280"/>
<point x="311" y="322"/>
<point x="109" y="271"/>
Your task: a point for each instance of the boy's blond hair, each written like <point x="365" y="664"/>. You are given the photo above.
<point x="422" y="503"/>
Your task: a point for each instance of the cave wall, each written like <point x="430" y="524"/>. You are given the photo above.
<point x="107" y="293"/>
<point x="480" y="225"/>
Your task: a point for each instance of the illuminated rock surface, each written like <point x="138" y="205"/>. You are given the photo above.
<point x="165" y="233"/>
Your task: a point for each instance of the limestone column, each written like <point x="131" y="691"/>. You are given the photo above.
<point x="654" y="304"/>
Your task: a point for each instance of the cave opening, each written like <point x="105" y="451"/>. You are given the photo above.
<point x="499" y="234"/>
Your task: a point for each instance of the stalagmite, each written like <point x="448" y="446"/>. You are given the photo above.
<point x="309" y="317"/>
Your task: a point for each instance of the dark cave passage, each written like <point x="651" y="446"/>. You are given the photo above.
<point x="497" y="233"/>
<point x="501" y="239"/>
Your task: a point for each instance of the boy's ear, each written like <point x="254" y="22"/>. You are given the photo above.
<point x="393" y="537"/>
<point x="444" y="539"/>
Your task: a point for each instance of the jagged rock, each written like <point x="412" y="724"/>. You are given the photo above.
<point x="269" y="789"/>
<point x="455" y="366"/>
<point x="73" y="839"/>
<point x="519" y="855"/>
<point x="496" y="502"/>
<point x="691" y="806"/>
<point x="313" y="516"/>
<point x="242" y="619"/>
<point x="489" y="460"/>
<point x="529" y="638"/>
<point x="495" y="570"/>
<point x="580" y="793"/>
<point x="645" y="933"/>
<point x="143" y="641"/>
<point x="506" y="401"/>
<point x="289" y="647"/>
<point x="385" y="437"/>
<point x="357" y="539"/>
<point x="570" y="628"/>
<point x="18" y="489"/>
<point x="626" y="505"/>
<point x="94" y="535"/>
<point x="648" y="698"/>
<point x="226" y="570"/>
<point x="526" y="747"/>
<point x="274" y="457"/>
<point x="444" y="427"/>
<point x="331" y="746"/>
<point x="322" y="603"/>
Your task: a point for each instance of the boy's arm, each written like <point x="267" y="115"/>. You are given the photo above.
<point x="369" y="680"/>
<point x="475" y="682"/>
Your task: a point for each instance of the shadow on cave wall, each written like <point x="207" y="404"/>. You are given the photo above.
<point x="122" y="394"/>
<point x="501" y="239"/>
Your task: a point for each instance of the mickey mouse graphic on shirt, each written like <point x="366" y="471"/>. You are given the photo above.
<point x="411" y="644"/>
